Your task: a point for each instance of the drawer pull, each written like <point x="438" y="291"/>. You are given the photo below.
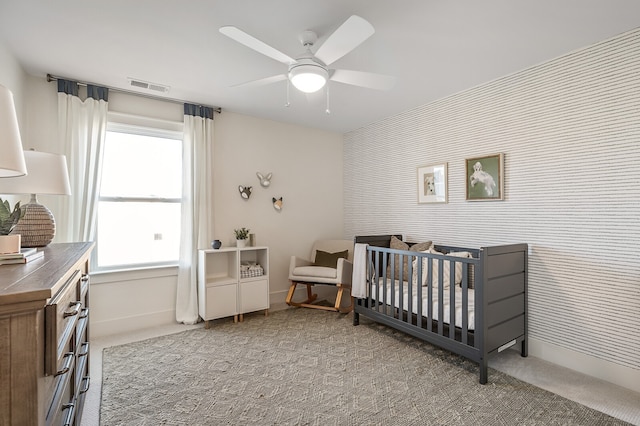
<point x="86" y="383"/>
<point x="68" y="360"/>
<point x="71" y="407"/>
<point x="75" y="309"/>
<point x="85" y="346"/>
<point x="84" y="313"/>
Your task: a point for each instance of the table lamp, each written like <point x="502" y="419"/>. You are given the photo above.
<point x="47" y="175"/>
<point x="12" y="161"/>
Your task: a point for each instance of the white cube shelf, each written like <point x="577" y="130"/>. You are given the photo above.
<point x="222" y="289"/>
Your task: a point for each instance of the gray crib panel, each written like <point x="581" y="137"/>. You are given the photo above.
<point x="502" y="264"/>
<point x="505" y="309"/>
<point x="504" y="332"/>
<point x="504" y="295"/>
<point x="507" y="286"/>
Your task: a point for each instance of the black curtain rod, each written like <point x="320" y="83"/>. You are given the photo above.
<point x="51" y="78"/>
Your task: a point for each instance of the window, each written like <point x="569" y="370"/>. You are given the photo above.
<point x="139" y="203"/>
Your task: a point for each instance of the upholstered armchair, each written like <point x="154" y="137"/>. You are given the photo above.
<point x="331" y="263"/>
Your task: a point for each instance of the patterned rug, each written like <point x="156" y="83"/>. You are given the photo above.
<point x="311" y="367"/>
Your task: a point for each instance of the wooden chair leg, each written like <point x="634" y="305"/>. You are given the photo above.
<point x="338" y="298"/>
<point x="292" y="288"/>
<point x="310" y="296"/>
<point x="346" y="309"/>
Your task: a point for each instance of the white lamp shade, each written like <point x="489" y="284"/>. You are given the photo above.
<point x="308" y="78"/>
<point x="12" y="161"/>
<point x="48" y="174"/>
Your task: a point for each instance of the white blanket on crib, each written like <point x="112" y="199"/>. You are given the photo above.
<point x="359" y="274"/>
<point x="425" y="301"/>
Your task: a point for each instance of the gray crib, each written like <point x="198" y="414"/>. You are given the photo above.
<point x="476" y="306"/>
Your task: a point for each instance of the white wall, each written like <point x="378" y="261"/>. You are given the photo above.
<point x="569" y="130"/>
<point x="12" y="76"/>
<point x="307" y="172"/>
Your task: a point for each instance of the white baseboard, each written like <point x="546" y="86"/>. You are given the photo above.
<point x="133" y="323"/>
<point x="595" y="367"/>
<point x="278" y="297"/>
<point x="155" y="319"/>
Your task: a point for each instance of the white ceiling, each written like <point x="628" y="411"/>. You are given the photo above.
<point x="434" y="48"/>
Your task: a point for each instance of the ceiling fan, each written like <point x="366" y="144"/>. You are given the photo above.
<point x="310" y="72"/>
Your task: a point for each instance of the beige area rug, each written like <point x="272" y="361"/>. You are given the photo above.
<point x="311" y="367"/>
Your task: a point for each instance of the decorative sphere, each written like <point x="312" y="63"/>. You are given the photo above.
<point x="216" y="244"/>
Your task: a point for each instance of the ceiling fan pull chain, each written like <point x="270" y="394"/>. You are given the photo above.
<point x="328" y="111"/>
<point x="288" y="103"/>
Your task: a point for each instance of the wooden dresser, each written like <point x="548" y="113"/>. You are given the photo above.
<point x="44" y="337"/>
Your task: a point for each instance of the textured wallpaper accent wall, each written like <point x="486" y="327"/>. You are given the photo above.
<point x="570" y="133"/>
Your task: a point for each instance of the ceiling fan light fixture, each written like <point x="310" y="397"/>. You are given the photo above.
<point x="308" y="78"/>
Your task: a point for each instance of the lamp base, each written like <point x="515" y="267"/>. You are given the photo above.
<point x="37" y="227"/>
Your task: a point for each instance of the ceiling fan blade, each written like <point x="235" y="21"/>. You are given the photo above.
<point x="347" y="37"/>
<point x="262" y="81"/>
<point x="251" y="42"/>
<point x="364" y="79"/>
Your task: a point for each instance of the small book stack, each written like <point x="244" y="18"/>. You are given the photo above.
<point x="25" y="255"/>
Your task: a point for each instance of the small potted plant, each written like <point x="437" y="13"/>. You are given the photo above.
<point x="8" y="220"/>
<point x="241" y="237"/>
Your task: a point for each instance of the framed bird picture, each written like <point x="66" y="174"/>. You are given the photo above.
<point x="485" y="178"/>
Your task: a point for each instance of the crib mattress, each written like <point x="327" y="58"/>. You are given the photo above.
<point x="395" y="289"/>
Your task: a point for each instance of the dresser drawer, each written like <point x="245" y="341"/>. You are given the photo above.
<point x="82" y="365"/>
<point x="61" y="317"/>
<point x="62" y="404"/>
<point x="64" y="414"/>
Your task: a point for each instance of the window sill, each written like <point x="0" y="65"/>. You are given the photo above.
<point x="118" y="275"/>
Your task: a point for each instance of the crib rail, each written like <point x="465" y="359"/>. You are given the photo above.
<point x="399" y="282"/>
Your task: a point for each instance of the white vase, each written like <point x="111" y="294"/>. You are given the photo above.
<point x="241" y="243"/>
<point x="10" y="244"/>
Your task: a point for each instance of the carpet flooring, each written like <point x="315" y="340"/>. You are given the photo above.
<point x="310" y="367"/>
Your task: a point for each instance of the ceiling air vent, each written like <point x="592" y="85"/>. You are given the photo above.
<point x="149" y="86"/>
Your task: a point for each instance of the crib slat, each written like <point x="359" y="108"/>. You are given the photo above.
<point x="452" y="299"/>
<point x="400" y="312"/>
<point x="371" y="276"/>
<point x="410" y="289"/>
<point x="384" y="283"/>
<point x="429" y="295"/>
<point x="419" y="284"/>
<point x="392" y="271"/>
<point x="465" y="303"/>
<point x="440" y="297"/>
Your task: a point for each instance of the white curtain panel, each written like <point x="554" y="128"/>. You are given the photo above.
<point x="197" y="161"/>
<point x="82" y="126"/>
